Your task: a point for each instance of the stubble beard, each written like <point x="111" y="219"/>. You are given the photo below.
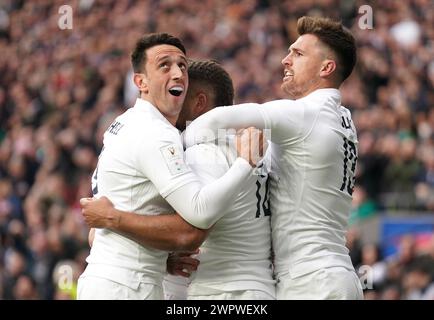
<point x="295" y="92"/>
<point x="291" y="91"/>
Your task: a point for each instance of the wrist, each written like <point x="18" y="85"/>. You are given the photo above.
<point x="113" y="218"/>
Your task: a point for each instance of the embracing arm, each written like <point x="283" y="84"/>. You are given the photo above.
<point x="200" y="206"/>
<point x="205" y="128"/>
<point x="167" y="232"/>
<point x="282" y="120"/>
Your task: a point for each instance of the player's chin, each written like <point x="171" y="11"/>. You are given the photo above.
<point x="285" y="87"/>
<point x="288" y="90"/>
<point x="175" y="108"/>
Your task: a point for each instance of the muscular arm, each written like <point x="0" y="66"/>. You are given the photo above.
<point x="164" y="232"/>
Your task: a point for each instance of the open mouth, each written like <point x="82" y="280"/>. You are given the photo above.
<point x="287" y="75"/>
<point x="176" y="91"/>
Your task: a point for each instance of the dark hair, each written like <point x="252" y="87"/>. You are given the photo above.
<point x="138" y="57"/>
<point x="334" y="35"/>
<point x="211" y="73"/>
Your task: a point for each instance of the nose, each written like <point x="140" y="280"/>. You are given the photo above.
<point x="287" y="60"/>
<point x="176" y="72"/>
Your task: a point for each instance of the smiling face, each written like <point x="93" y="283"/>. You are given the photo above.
<point x="305" y="67"/>
<point x="164" y="82"/>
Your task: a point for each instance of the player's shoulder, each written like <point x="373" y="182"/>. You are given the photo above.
<point x="153" y="125"/>
<point x="161" y="127"/>
<point x="280" y="109"/>
<point x="346" y="111"/>
<point x="280" y="103"/>
<point x="148" y="117"/>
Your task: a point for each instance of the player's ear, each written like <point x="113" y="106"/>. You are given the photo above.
<point x="141" y="82"/>
<point x="201" y="103"/>
<point x="327" y="68"/>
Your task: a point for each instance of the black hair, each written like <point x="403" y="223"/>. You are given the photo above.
<point x="211" y="73"/>
<point x="138" y="57"/>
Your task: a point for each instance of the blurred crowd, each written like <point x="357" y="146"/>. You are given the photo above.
<point x="406" y="275"/>
<point x="61" y="88"/>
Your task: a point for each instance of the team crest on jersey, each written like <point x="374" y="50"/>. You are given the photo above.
<point x="173" y="157"/>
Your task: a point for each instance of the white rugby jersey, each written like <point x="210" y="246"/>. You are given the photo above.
<point x="315" y="150"/>
<point x="141" y="166"/>
<point x="237" y="252"/>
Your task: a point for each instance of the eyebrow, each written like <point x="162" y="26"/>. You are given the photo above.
<point x="166" y="56"/>
<point x="295" y="49"/>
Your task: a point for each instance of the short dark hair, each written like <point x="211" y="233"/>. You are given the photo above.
<point x="334" y="35"/>
<point x="211" y="73"/>
<point x="138" y="57"/>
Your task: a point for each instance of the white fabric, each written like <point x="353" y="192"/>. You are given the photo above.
<point x="202" y="208"/>
<point x="235" y="258"/>
<point x="236" y="254"/>
<point x="175" y="287"/>
<point x="334" y="283"/>
<point x="141" y="163"/>
<point x="314" y="151"/>
<point x="235" y="295"/>
<point x="95" y="288"/>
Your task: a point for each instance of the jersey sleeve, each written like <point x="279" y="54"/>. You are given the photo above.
<point x="162" y="160"/>
<point x="285" y="119"/>
<point x="209" y="164"/>
<point x="281" y="120"/>
<point x="206" y="127"/>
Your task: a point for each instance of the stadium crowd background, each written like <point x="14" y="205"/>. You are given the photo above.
<point x="60" y="89"/>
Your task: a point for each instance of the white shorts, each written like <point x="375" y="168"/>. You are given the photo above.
<point x="235" y="295"/>
<point x="336" y="283"/>
<point x="95" y="288"/>
<point x="175" y="287"/>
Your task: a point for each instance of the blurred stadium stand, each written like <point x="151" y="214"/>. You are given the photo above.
<point x="59" y="90"/>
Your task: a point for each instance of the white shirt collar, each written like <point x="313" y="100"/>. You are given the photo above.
<point x="325" y="93"/>
<point x="141" y="102"/>
<point x="335" y="93"/>
<point x="146" y="105"/>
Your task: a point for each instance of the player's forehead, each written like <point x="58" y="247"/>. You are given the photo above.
<point x="163" y="51"/>
<point x="304" y="42"/>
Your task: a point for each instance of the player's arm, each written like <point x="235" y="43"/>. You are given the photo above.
<point x="164" y="232"/>
<point x="283" y="119"/>
<point x="205" y="128"/>
<point x="202" y="205"/>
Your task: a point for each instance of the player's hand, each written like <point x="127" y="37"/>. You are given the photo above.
<point x="99" y="213"/>
<point x="251" y="145"/>
<point x="182" y="263"/>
